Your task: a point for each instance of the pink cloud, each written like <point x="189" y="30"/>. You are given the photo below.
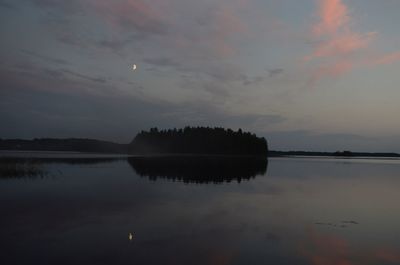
<point x="334" y="69"/>
<point x="333" y="16"/>
<point x="386" y="59"/>
<point x="342" y="45"/>
<point x="336" y="42"/>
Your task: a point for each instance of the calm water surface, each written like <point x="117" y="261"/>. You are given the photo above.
<point x="289" y="211"/>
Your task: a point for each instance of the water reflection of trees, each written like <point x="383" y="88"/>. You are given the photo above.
<point x="200" y="169"/>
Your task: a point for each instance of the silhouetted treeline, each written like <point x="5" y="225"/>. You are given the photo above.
<point x="70" y="144"/>
<point x="198" y="140"/>
<point x="200" y="169"/>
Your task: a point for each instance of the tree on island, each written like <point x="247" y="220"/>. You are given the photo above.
<point x="198" y="140"/>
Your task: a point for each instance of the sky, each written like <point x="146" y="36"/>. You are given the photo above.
<point x="319" y="75"/>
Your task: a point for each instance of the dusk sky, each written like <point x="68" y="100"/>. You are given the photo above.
<point x="317" y="75"/>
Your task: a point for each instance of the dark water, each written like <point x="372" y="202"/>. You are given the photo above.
<point x="198" y="211"/>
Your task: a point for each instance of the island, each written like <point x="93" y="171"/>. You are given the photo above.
<point x="198" y="141"/>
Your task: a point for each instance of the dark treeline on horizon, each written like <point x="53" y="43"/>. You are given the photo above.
<point x="198" y="140"/>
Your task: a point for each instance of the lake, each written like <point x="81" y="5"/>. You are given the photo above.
<point x="85" y="209"/>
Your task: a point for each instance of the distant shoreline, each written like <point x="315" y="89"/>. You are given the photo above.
<point x="331" y="154"/>
<point x="274" y="154"/>
<point x="97" y="147"/>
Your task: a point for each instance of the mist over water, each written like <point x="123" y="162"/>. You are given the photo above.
<point x="286" y="211"/>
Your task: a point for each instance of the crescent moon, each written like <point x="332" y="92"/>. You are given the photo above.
<point x="134" y="67"/>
